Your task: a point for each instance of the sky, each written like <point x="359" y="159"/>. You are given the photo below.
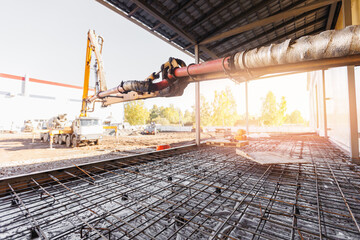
<point x="46" y="39"/>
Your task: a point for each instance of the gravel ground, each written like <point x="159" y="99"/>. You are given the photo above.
<point x="19" y="155"/>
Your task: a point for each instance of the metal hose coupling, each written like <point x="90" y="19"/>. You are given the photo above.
<point x="135" y="85"/>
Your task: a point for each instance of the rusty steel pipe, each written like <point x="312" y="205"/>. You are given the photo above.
<point x="213" y="66"/>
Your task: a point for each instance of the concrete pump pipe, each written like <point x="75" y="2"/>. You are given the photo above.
<point x="324" y="46"/>
<point x="330" y="48"/>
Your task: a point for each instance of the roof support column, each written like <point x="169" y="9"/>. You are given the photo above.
<point x="324" y="104"/>
<point x="197" y="100"/>
<point x="354" y="135"/>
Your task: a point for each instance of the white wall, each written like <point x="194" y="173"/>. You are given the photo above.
<point x="43" y="101"/>
<point x="337" y="105"/>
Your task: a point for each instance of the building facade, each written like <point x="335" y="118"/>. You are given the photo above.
<point x="334" y="94"/>
<point x="24" y="98"/>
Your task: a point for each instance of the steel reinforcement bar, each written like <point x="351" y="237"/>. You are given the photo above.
<point x="191" y="193"/>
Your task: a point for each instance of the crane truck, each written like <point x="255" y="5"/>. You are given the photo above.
<point x="84" y="129"/>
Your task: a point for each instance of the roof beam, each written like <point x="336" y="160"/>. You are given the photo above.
<point x="167" y="22"/>
<point x="274" y="40"/>
<point x="243" y="43"/>
<point x="242" y="15"/>
<point x="156" y="26"/>
<point x="214" y="11"/>
<point x="331" y="15"/>
<point x="271" y="30"/>
<point x="183" y="6"/>
<point x="133" y="11"/>
<point x="142" y="4"/>
<point x="274" y="18"/>
<point x="143" y="26"/>
<point x="296" y="30"/>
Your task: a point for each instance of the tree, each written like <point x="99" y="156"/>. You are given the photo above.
<point x="224" y="108"/>
<point x="281" y="111"/>
<point x="205" y="112"/>
<point x="136" y="113"/>
<point x="295" y="118"/>
<point x="154" y="112"/>
<point x="273" y="114"/>
<point x="193" y="117"/>
<point x="161" y="121"/>
<point x="170" y="113"/>
<point x="268" y="112"/>
<point x="187" y="120"/>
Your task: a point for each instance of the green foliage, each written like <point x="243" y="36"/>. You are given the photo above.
<point x="170" y="113"/>
<point x="136" y="113"/>
<point x="193" y="114"/>
<point x="154" y="112"/>
<point x="269" y="110"/>
<point x="224" y="108"/>
<point x="161" y="121"/>
<point x="273" y="114"/>
<point x="187" y="119"/>
<point x="295" y="118"/>
<point x="205" y="112"/>
<point x="221" y="112"/>
<point x="281" y="111"/>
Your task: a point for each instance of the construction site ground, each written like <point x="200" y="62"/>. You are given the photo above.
<point x="206" y="192"/>
<point x="19" y="155"/>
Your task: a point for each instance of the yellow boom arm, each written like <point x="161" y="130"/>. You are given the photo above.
<point x="94" y="44"/>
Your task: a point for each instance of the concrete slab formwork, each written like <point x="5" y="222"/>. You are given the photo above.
<point x="192" y="193"/>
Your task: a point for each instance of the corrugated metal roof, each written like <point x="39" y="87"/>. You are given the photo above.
<point x="183" y="23"/>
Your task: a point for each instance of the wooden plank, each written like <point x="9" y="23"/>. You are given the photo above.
<point x="331" y="16"/>
<point x="268" y="158"/>
<point x="224" y="143"/>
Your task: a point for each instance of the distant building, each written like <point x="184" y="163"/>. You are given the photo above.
<point x="24" y="98"/>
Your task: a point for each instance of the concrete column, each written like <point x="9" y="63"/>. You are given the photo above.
<point x="197" y="100"/>
<point x="354" y="135"/>
<point x="324" y="104"/>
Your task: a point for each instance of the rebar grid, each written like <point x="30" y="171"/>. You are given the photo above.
<point x="200" y="193"/>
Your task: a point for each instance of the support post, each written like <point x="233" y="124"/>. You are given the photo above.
<point x="324" y="104"/>
<point x="354" y="135"/>
<point x="197" y="101"/>
<point x="247" y="107"/>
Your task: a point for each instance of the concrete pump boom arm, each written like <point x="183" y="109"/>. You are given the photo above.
<point x="332" y="48"/>
<point x="94" y="44"/>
